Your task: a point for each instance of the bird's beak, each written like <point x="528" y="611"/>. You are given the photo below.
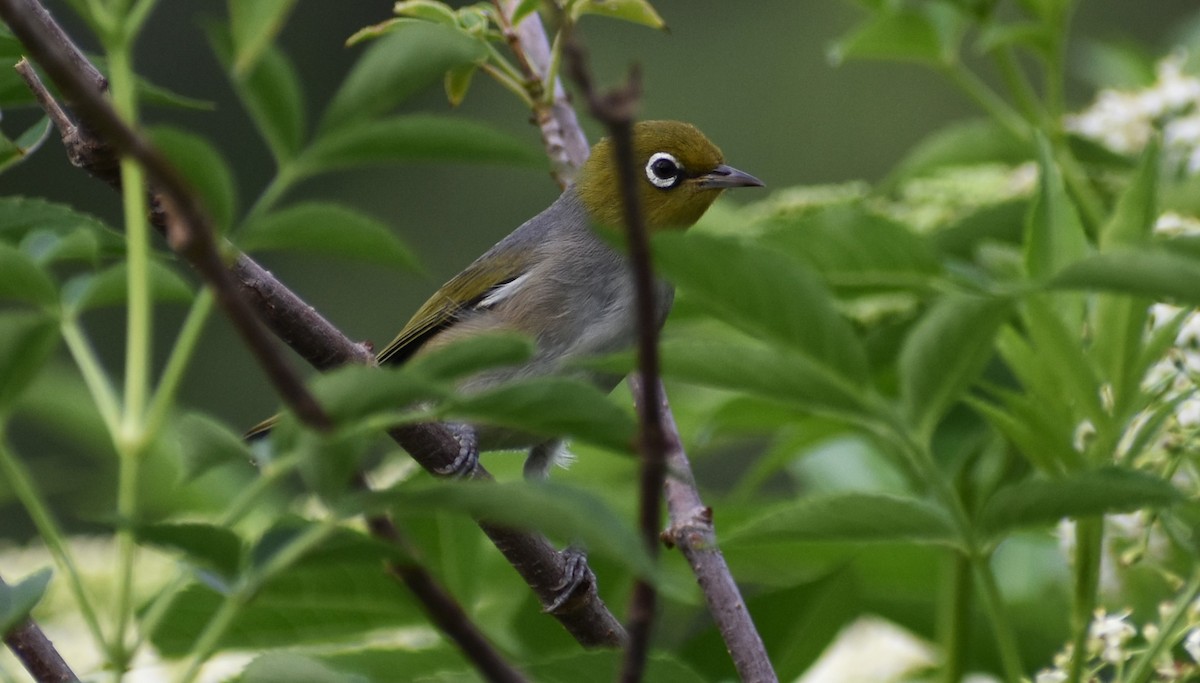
<point x="724" y="176"/>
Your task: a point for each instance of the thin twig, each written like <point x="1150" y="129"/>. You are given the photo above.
<point x="191" y="235"/>
<point x="615" y="109"/>
<point x="37" y="654"/>
<point x="692" y="532"/>
<point x="433" y="445"/>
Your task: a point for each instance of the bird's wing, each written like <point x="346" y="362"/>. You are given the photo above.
<point x="473" y="288"/>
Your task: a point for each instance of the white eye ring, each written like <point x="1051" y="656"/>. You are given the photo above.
<point x="653" y="176"/>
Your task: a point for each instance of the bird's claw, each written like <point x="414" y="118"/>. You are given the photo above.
<point x="467" y="459"/>
<point x="576" y="575"/>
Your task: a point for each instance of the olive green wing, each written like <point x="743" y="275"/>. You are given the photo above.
<point x="465" y="292"/>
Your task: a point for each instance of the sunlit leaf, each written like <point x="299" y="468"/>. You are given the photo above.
<point x="635" y="11"/>
<point x="327" y="230"/>
<point x="429" y="10"/>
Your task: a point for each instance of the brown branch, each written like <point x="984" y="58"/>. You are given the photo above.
<point x="692" y="532"/>
<point x="37" y="653"/>
<point x="615" y="109"/>
<point x="566" y="145"/>
<point x="433" y="445"/>
<point x="191" y="235"/>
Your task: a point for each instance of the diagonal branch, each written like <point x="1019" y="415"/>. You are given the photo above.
<point x="434" y="447"/>
<point x="37" y="653"/>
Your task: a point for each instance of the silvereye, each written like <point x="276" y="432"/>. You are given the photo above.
<point x="555" y="280"/>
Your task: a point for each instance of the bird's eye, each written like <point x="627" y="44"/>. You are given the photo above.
<point x="663" y="170"/>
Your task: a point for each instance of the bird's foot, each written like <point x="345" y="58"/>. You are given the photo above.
<point x="467" y="459"/>
<point x="576" y="576"/>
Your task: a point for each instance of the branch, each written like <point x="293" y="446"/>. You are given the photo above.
<point x="615" y="110"/>
<point x="37" y="653"/>
<point x="566" y="145"/>
<point x="324" y="346"/>
<point x="692" y="532"/>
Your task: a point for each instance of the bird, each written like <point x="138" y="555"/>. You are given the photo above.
<point x="556" y="280"/>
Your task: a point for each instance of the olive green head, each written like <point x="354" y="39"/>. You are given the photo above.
<point x="679" y="175"/>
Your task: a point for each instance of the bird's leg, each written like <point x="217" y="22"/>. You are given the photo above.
<point x="468" y="452"/>
<point x="576" y="572"/>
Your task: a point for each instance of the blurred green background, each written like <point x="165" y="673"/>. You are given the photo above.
<point x="755" y="76"/>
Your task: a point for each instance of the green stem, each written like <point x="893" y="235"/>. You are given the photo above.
<point x="512" y="85"/>
<point x="137" y="16"/>
<point x="23" y="488"/>
<point x="1020" y="88"/>
<point x="1143" y="666"/>
<point x="246" y="501"/>
<point x="181" y="355"/>
<point x="210" y="638"/>
<point x="993" y="606"/>
<point x="1089" y="539"/>
<point x="282" y="182"/>
<point x="129" y="471"/>
<point x="552" y="69"/>
<point x="103" y="395"/>
<point x="987" y="99"/>
<point x="954" y="618"/>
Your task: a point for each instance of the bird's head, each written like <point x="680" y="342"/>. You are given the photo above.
<point x="679" y="175"/>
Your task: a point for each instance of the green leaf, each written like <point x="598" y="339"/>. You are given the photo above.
<point x="635" y="11"/>
<point x="357" y="391"/>
<point x="549" y="406"/>
<point x="413" y="56"/>
<point x="211" y="547"/>
<point x="1096" y="492"/>
<point x="327" y="230"/>
<point x="457" y="82"/>
<point x="944" y="354"/>
<point x="290" y="667"/>
<point x="1156" y="274"/>
<point x="21" y="215"/>
<point x="926" y="35"/>
<point x="429" y="10"/>
<point x="857" y="517"/>
<point x="271" y="93"/>
<point x="469" y="355"/>
<point x="763" y="371"/>
<point x="322" y="598"/>
<point x="409" y="139"/>
<point x="967" y="143"/>
<point x="254" y="26"/>
<point x="855" y="249"/>
<point x="203" y="167"/>
<point x="1062" y="359"/>
<point x="109" y="287"/>
<point x="26" y="341"/>
<point x="18" y="600"/>
<point x="13" y="152"/>
<point x="23" y="280"/>
<point x="559" y="511"/>
<point x="600" y="667"/>
<point x="1119" y="322"/>
<point x="763" y="293"/>
<point x="1054" y="235"/>
<point x="206" y="443"/>
<point x="523" y="9"/>
<point x="48" y="247"/>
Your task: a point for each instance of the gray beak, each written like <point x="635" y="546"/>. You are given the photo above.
<point x="724" y="176"/>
